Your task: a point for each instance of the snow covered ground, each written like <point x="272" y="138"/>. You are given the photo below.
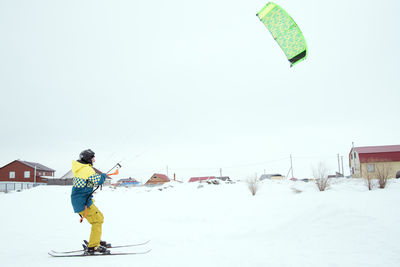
<point x="215" y="225"/>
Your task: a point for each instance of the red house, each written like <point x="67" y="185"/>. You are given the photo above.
<point x="24" y="171"/>
<point x="157" y="179"/>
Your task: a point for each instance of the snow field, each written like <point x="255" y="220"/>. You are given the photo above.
<point x="215" y="225"/>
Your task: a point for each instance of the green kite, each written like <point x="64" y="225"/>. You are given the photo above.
<point x="285" y="31"/>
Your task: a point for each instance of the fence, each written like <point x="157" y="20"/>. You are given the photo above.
<point x="6" y="187"/>
<point x="67" y="181"/>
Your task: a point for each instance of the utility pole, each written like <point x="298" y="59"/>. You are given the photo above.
<point x="291" y="164"/>
<point x="338" y="162"/>
<point x="167" y="170"/>
<point x="342" y="167"/>
<point x="220" y="172"/>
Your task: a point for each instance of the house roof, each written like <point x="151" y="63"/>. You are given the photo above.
<point x="67" y="175"/>
<point x="158" y="178"/>
<point x="377" y="149"/>
<point x="39" y="167"/>
<point x="161" y="176"/>
<point x="378" y="153"/>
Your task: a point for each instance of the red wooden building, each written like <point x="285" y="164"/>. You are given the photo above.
<point x="157" y="179"/>
<point x="24" y="171"/>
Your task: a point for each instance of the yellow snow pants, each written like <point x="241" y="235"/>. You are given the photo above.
<point x="95" y="218"/>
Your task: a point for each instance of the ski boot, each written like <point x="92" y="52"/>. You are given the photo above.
<point x="96" y="250"/>
<point x="105" y="244"/>
<point x="102" y="243"/>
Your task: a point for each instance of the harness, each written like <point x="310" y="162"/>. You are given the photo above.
<point x="88" y="197"/>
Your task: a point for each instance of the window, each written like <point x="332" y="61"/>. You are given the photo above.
<point x="27" y="174"/>
<point x="12" y="175"/>
<point x="370" y="167"/>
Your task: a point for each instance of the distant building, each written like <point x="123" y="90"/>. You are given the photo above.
<point x="223" y="178"/>
<point x="336" y="175"/>
<point x="66" y="179"/>
<point x="157" y="179"/>
<point x="126" y="182"/>
<point x="26" y="172"/>
<point x="272" y="176"/>
<point x="369" y="161"/>
<point x="199" y="179"/>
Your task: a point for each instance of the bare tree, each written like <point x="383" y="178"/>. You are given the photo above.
<point x="321" y="176"/>
<point x="369" y="182"/>
<point x="253" y="185"/>
<point x="377" y="170"/>
<point x="370" y="175"/>
<point x="382" y="173"/>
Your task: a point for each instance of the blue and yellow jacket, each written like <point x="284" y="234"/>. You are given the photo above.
<point x="85" y="179"/>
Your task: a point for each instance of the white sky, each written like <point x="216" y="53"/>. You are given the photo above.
<point x="195" y="86"/>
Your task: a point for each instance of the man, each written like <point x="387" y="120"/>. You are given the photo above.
<point x="85" y="179"/>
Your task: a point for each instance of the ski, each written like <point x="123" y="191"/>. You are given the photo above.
<point x="119" y="246"/>
<point x="82" y="254"/>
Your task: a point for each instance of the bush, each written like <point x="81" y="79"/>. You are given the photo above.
<point x="369" y="182"/>
<point x="321" y="177"/>
<point x="253" y="185"/>
<point x="382" y="172"/>
<point x="322" y="183"/>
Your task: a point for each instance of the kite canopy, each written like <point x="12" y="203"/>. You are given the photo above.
<point x="285" y="31"/>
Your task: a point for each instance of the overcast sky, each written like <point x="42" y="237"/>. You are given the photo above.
<point x="195" y="86"/>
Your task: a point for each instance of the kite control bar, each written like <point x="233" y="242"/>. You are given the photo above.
<point x="116" y="171"/>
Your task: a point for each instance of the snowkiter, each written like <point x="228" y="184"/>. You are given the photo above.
<point x="84" y="183"/>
